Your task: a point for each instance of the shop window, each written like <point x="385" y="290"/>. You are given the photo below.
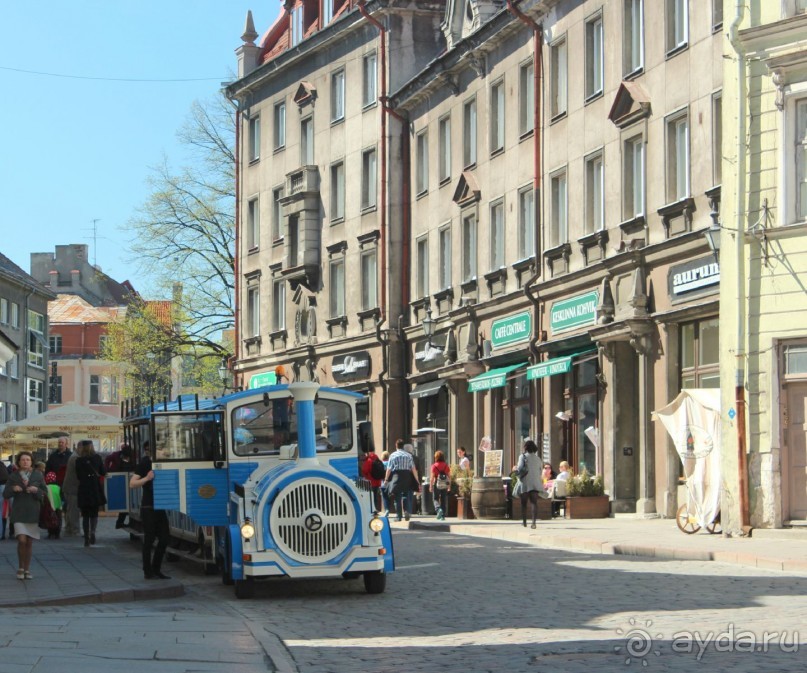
<point x="796" y="360"/>
<point x="700" y="354"/>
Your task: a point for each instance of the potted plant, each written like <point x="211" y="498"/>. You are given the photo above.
<point x="462" y="484"/>
<point x="585" y="497"/>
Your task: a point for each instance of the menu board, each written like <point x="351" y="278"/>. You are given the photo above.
<point x="493" y="464"/>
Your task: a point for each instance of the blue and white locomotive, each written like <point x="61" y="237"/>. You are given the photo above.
<point x="265" y="483"/>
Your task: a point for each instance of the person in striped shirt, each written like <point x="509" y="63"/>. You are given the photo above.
<point x="402" y="479"/>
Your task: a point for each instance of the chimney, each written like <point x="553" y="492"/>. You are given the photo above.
<point x="75" y="279"/>
<point x="54" y="279"/>
<point x="248" y="53"/>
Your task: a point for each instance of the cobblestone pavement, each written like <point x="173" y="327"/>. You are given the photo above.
<point x="455" y="604"/>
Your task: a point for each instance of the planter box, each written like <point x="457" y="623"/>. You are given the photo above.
<point x="592" y="507"/>
<point x="464" y="510"/>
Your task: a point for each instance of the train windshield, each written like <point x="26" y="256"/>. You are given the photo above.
<point x="262" y="428"/>
<point x="187" y="436"/>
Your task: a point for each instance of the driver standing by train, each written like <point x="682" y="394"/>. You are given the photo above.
<point x="155" y="521"/>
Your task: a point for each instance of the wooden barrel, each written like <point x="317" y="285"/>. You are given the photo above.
<point x="488" y="498"/>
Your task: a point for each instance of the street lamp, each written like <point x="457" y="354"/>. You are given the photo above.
<point x="428" y="327"/>
<point x="712" y="235"/>
<point x="224" y="373"/>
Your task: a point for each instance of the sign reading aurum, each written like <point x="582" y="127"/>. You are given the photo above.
<point x="574" y="312"/>
<point x="698" y="274"/>
<point x="510" y="330"/>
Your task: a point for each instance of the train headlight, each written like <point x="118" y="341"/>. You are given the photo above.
<point x="247" y="530"/>
<point x="376" y="524"/>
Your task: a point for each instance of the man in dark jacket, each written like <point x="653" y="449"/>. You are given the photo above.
<point x="57" y="462"/>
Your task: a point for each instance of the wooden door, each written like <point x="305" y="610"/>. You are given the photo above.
<point x="795" y="461"/>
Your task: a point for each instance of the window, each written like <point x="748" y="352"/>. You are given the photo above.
<point x="497" y="116"/>
<point x="36" y="339"/>
<point x="700" y="354"/>
<point x="594" y="60"/>
<point x="297" y="25"/>
<point x="294" y="241"/>
<point x="103" y="389"/>
<point x="422" y="163"/>
<point x="327" y="12"/>
<point x="469" y="133"/>
<point x="15" y="314"/>
<point x="307" y="141"/>
<point x="444" y="268"/>
<point x="4" y="311"/>
<point x="277" y="214"/>
<point x="369" y="282"/>
<point x="338" y="96"/>
<point x="677" y="24"/>
<point x="633" y="177"/>
<point x="368" y="178"/>
<point x="677" y="158"/>
<point x="794" y="7"/>
<point x="558" y="233"/>
<point x="337" y="288"/>
<point x="633" y="38"/>
<point x="557" y="81"/>
<point x="468" y="248"/>
<point x="497" y="235"/>
<point x="253" y="224"/>
<point x="423" y="267"/>
<point x="717" y="138"/>
<point x="444" y="131"/>
<point x="13" y="366"/>
<point x="338" y="191"/>
<point x="526" y="98"/>
<point x="55" y="393"/>
<point x="255" y="138"/>
<point x="12" y="413"/>
<point x="278" y="305"/>
<point x="800" y="156"/>
<point x="36" y="397"/>
<point x="55" y="344"/>
<point x="717" y="13"/>
<point x="369" y="72"/>
<point x="526" y="223"/>
<point x="253" y="312"/>
<point x="595" y="194"/>
<point x="280" y="125"/>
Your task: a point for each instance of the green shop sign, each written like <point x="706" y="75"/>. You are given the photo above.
<point x="549" y="368"/>
<point x="574" y="312"/>
<point x="262" y="379"/>
<point x="511" y="329"/>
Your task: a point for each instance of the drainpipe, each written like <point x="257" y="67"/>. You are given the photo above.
<point x="739" y="367"/>
<point x="236" y="258"/>
<point x="383" y="341"/>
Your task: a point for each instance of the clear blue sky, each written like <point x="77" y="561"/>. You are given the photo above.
<point x="73" y="150"/>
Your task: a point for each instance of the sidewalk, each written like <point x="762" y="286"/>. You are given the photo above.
<point x="65" y="572"/>
<point x="781" y="549"/>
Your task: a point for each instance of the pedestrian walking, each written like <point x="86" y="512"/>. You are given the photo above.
<point x="439" y="484"/>
<point x="155" y="521"/>
<point x="90" y="495"/>
<point x="529" y="471"/>
<point x="402" y="479"/>
<point x="385" y="495"/>
<point x="27" y="488"/>
<point x="372" y="469"/>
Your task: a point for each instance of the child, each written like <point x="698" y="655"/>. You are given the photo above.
<point x="51" y="518"/>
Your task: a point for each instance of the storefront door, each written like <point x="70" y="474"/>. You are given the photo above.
<point x="582" y="428"/>
<point x="796" y="458"/>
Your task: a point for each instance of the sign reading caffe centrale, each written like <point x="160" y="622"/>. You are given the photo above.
<point x="351" y="366"/>
<point x="698" y="276"/>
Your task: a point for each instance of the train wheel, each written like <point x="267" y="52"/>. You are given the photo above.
<point x="375" y="582"/>
<point x="245" y="588"/>
<point x="686" y="522"/>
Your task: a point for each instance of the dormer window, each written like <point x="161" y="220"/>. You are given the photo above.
<point x="297" y="25"/>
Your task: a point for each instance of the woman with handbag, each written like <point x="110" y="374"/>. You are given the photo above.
<point x="529" y="471"/>
<point x="89" y="470"/>
<point x="27" y="488"/>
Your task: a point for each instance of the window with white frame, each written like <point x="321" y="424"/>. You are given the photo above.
<point x="103" y="389"/>
<point x="280" y="125"/>
<point x="297" y="25"/>
<point x="307" y="141"/>
<point x="36" y="397"/>
<point x="104" y="341"/>
<point x="497" y="235"/>
<point x="338" y="191"/>
<point x="337" y="288"/>
<point x="717" y="138"/>
<point x="369" y="77"/>
<point x="422" y="288"/>
<point x="277" y="214"/>
<point x="422" y="162"/>
<point x="497" y="116"/>
<point x="253" y="224"/>
<point x="254" y="138"/>
<point x="368" y="179"/>
<point x="558" y="232"/>
<point x="677" y="157"/>
<point x="717" y="13"/>
<point x="794" y="7"/>
<point x="444" y="263"/>
<point x="526" y="223"/>
<point x="633" y="36"/>
<point x="800" y="156"/>
<point x="469" y="133"/>
<point x="369" y="279"/>
<point x="526" y="98"/>
<point x="338" y="96"/>
<point x="595" y="194"/>
<point x="469" y="248"/>
<point x="594" y="56"/>
<point x="278" y="305"/>
<point x="558" y="78"/>
<point x="36" y="339"/>
<point x="327" y="12"/>
<point x="15" y="314"/>
<point x="3" y="311"/>
<point x="677" y="20"/>
<point x="55" y="344"/>
<point x="253" y="312"/>
<point x="444" y="133"/>
<point x="633" y="182"/>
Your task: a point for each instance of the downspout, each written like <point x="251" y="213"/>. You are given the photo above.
<point x="236" y="258"/>
<point x="739" y="367"/>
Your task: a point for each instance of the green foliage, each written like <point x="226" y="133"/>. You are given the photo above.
<point x="462" y="481"/>
<point x="583" y="485"/>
